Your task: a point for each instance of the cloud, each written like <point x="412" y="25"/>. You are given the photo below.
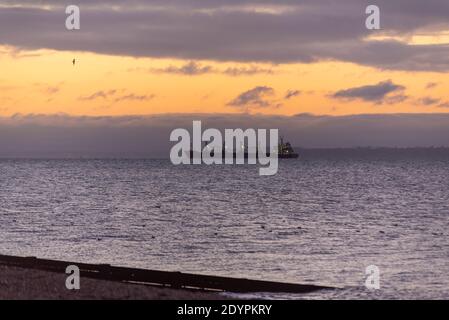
<point x="52" y="90"/>
<point x="291" y="94"/>
<point x="17" y="53"/>
<point x="275" y="31"/>
<point x="191" y="69"/>
<point x="246" y="71"/>
<point x="113" y="94"/>
<point x="134" y="97"/>
<point x="255" y="97"/>
<point x="431" y="85"/>
<point x="444" y="105"/>
<point x="378" y="93"/>
<point x="394" y="99"/>
<point x="428" y="101"/>
<point x="99" y="94"/>
<point x="49" y="89"/>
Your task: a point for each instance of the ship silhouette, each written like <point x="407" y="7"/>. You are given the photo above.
<point x="285" y="151"/>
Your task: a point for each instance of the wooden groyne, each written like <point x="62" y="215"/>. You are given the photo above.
<point x="176" y="280"/>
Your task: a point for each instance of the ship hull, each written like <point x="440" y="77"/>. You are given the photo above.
<point x="198" y="155"/>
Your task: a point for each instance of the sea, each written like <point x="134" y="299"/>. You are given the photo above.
<point x="322" y="219"/>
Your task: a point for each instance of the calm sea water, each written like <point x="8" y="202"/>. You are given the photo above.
<point x="322" y="219"/>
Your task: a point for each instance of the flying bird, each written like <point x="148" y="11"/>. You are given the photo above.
<point x="73" y="62"/>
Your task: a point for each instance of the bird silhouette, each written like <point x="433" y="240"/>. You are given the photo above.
<point x="73" y="62"/>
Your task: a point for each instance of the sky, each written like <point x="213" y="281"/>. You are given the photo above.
<point x="274" y="58"/>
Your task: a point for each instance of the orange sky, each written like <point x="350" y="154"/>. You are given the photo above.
<point x="45" y="82"/>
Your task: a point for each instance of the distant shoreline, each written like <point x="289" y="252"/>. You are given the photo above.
<point x="144" y="156"/>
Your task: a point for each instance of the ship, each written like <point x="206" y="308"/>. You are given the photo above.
<point x="285" y="151"/>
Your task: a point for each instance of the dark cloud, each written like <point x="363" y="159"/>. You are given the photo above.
<point x="48" y="89"/>
<point x="246" y="71"/>
<point x="148" y="136"/>
<point x="444" y="105"/>
<point x="191" y="69"/>
<point x="378" y="93"/>
<point x="255" y="97"/>
<point x="398" y="98"/>
<point x="135" y="97"/>
<point x="274" y="31"/>
<point x="428" y="101"/>
<point x="112" y="94"/>
<point x="431" y="85"/>
<point x="99" y="94"/>
<point x="291" y="94"/>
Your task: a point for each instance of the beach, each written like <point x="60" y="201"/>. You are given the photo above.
<point x="30" y="284"/>
<point x="34" y="278"/>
